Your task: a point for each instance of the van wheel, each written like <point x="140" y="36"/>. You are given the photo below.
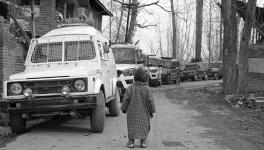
<point x="97" y="117"/>
<point x="17" y="123"/>
<point x="114" y="110"/>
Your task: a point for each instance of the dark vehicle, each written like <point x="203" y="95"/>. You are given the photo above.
<point x="215" y="70"/>
<point x="170" y="71"/>
<point x="170" y="76"/>
<point x="194" y="71"/>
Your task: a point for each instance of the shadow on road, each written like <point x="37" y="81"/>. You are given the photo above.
<point x="62" y="124"/>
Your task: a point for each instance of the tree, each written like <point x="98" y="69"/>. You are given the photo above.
<point x="134" y="6"/>
<point x="119" y="23"/>
<point x="209" y="36"/>
<point x="228" y="9"/>
<point x="133" y="21"/>
<point x="243" y="53"/>
<point x="199" y="28"/>
<point x="174" y="46"/>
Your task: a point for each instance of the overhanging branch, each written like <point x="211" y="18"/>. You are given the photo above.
<point x="145" y="5"/>
<point x="145" y="26"/>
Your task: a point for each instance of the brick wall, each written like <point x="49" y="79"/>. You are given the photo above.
<point x="11" y="53"/>
<point x="46" y="21"/>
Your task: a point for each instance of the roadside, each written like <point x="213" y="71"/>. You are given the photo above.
<point x="188" y="118"/>
<point x="234" y="127"/>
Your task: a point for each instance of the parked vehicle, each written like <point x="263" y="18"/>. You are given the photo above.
<point x="125" y="74"/>
<point x="170" y="71"/>
<point x="194" y="71"/>
<point x="127" y="57"/>
<point x="69" y="71"/>
<point x="154" y="76"/>
<point x="215" y="70"/>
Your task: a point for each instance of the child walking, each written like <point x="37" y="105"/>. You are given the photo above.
<point x="139" y="105"/>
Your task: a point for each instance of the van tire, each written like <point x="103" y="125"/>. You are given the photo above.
<point x="17" y="123"/>
<point x="114" y="110"/>
<point x="97" y="118"/>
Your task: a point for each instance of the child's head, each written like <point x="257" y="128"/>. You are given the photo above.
<point x="140" y="75"/>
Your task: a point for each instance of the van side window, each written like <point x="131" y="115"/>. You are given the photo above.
<point x="106" y="55"/>
<point x="100" y="48"/>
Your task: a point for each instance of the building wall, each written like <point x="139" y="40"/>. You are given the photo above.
<point x="11" y="53"/>
<point x="256" y="68"/>
<point x="46" y="21"/>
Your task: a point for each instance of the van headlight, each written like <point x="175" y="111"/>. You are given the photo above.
<point x="15" y="88"/>
<point x="79" y="85"/>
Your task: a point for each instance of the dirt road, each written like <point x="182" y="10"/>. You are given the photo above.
<point x="174" y="126"/>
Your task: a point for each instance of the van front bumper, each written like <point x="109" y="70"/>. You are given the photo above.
<point x="48" y="104"/>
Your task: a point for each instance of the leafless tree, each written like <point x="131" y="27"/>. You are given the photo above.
<point x="243" y="53"/>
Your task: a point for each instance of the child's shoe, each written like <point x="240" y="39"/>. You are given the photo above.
<point x="130" y="143"/>
<point x="143" y="143"/>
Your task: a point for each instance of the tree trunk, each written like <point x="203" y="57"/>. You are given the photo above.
<point x="119" y="24"/>
<point x="133" y="21"/>
<point x="229" y="46"/>
<point x="174" y="34"/>
<point x="243" y="53"/>
<point x="210" y="34"/>
<point x="199" y="28"/>
<point x="221" y="38"/>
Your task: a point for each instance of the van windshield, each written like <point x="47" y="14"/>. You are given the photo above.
<point x="73" y="51"/>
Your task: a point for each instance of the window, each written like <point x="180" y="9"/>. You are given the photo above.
<point x="40" y="53"/>
<point x="71" y="51"/>
<point x="100" y="48"/>
<point x="47" y="52"/>
<point x="28" y="2"/>
<point x="86" y="50"/>
<point x="82" y="50"/>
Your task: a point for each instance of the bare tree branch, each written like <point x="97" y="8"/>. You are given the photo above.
<point x="121" y="2"/>
<point x="145" y="26"/>
<point x="145" y="5"/>
<point x="163" y="8"/>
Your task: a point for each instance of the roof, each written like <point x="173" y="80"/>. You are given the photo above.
<point x="125" y="66"/>
<point x="121" y="45"/>
<point x="72" y="30"/>
<point x="97" y="5"/>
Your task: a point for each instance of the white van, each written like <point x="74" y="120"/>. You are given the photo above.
<point x="69" y="71"/>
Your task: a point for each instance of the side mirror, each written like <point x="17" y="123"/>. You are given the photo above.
<point x="106" y="48"/>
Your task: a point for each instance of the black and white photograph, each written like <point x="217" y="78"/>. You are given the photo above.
<point x="131" y="74"/>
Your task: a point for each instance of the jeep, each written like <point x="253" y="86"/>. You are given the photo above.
<point x="194" y="71"/>
<point x="69" y="71"/>
<point x="215" y="70"/>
